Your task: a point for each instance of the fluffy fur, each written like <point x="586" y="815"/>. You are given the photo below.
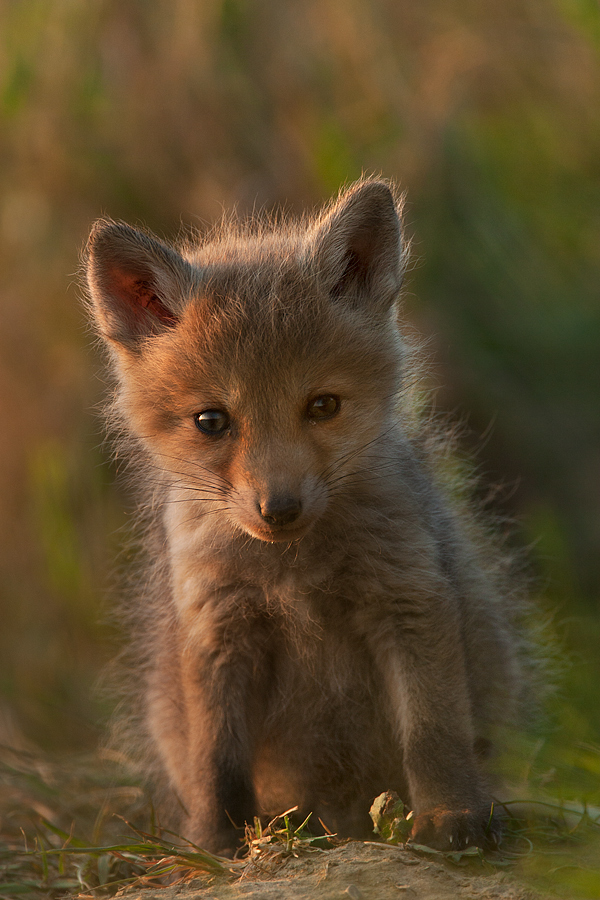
<point x="318" y="621"/>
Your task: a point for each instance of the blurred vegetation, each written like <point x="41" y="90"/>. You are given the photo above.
<point x="164" y="112"/>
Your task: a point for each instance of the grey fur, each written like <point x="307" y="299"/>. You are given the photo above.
<point x="372" y="642"/>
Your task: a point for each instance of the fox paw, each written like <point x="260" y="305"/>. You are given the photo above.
<point x="452" y="829"/>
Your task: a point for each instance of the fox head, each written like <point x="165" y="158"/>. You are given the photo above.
<point x="257" y="370"/>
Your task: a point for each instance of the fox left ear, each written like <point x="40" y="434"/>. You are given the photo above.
<point x="138" y="286"/>
<point x="358" y="248"/>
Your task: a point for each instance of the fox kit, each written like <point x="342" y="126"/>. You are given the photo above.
<point x="318" y="622"/>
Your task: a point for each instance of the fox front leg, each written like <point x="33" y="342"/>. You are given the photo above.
<point x="425" y="679"/>
<point x="203" y="720"/>
<point x="453" y="810"/>
<point x="220" y="749"/>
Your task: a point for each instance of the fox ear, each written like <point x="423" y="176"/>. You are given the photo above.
<point x="138" y="286"/>
<point x="358" y="248"/>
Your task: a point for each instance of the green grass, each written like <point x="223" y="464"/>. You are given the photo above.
<point x="85" y="827"/>
<point x="80" y="826"/>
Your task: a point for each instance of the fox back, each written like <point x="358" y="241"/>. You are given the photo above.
<point x="318" y="622"/>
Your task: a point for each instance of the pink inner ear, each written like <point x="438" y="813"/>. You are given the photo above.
<point x="138" y="295"/>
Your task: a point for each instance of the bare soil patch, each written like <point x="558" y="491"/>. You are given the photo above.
<point x="354" y="871"/>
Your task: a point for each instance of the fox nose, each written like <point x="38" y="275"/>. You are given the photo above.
<point x="280" y="510"/>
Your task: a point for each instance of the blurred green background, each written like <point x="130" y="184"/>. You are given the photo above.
<point x="165" y="112"/>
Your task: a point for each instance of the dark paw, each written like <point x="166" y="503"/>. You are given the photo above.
<point x="221" y="842"/>
<point x="226" y="850"/>
<point x="456" y="829"/>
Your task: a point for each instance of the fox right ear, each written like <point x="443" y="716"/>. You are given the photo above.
<point x="358" y="248"/>
<point x="138" y="286"/>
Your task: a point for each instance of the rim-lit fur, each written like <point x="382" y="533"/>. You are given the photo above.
<point x="361" y="640"/>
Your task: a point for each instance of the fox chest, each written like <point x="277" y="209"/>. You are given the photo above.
<point x="304" y="656"/>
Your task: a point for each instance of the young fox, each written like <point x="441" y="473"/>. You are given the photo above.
<point x="319" y="622"/>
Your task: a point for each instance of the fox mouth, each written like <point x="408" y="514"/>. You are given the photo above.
<point x="277" y="534"/>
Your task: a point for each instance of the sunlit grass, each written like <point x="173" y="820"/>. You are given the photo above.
<point x="80" y="826"/>
<point x="108" y="836"/>
<point x="85" y="827"/>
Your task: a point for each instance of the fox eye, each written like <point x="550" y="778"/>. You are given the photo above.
<point x="324" y="407"/>
<point x="212" y="421"/>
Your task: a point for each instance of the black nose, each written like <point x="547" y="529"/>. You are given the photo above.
<point x="280" y="510"/>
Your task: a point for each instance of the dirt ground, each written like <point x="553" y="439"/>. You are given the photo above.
<point x="354" y="871"/>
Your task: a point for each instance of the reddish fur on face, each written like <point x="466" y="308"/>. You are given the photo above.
<point x="318" y="621"/>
